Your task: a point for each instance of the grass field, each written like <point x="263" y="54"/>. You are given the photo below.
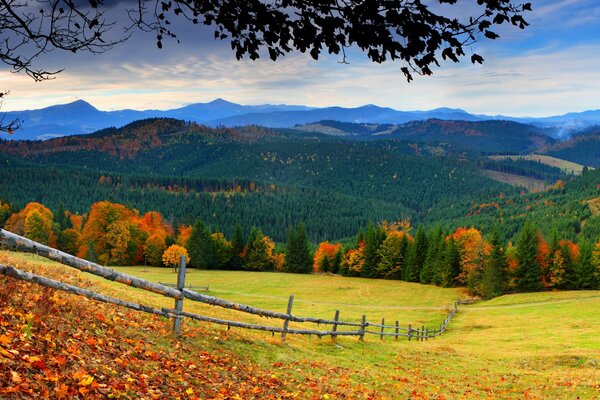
<point x="567" y="166"/>
<point x="538" y="345"/>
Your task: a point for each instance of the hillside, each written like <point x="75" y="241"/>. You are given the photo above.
<point x="583" y="148"/>
<point x="566" y="208"/>
<point x="539" y="345"/>
<point x="253" y="176"/>
<point x="482" y="136"/>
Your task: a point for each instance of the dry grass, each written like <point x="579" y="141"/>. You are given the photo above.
<point x="567" y="166"/>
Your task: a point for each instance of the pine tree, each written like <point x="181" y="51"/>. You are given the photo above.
<point x="494" y="278"/>
<point x="257" y="256"/>
<point x="337" y="261"/>
<point x="200" y="247"/>
<point x="415" y="259"/>
<point x="61" y="218"/>
<point x="451" y="265"/>
<point x="325" y="267"/>
<point x="238" y="247"/>
<point x="528" y="270"/>
<point x="374" y="237"/>
<point x="428" y="270"/>
<point x="297" y="254"/>
<point x="584" y="272"/>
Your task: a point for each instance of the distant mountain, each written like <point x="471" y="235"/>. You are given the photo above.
<point x="365" y="114"/>
<point x="81" y="117"/>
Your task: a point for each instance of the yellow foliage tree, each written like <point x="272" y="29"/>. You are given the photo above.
<point x="173" y="254"/>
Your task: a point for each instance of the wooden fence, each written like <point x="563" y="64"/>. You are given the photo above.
<point x="179" y="292"/>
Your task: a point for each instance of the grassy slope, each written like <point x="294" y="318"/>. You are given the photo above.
<point x="565" y="165"/>
<point x="530" y="184"/>
<point x="541" y="345"/>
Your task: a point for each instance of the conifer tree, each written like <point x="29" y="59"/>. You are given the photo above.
<point x="238" y="247"/>
<point x="200" y="247"/>
<point x="415" y="259"/>
<point x="374" y="237"/>
<point x="451" y="265"/>
<point x="258" y="257"/>
<point x="337" y="261"/>
<point x="584" y="271"/>
<point x="528" y="270"/>
<point x="325" y="267"/>
<point x="494" y="278"/>
<point x="428" y="270"/>
<point x="297" y="254"/>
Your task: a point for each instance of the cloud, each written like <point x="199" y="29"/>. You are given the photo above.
<point x="531" y="72"/>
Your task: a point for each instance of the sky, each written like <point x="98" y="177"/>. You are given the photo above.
<point x="550" y="68"/>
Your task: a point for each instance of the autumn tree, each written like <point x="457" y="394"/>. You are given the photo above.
<point x="472" y="249"/>
<point x="528" y="274"/>
<point x="326" y="250"/>
<point x="111" y="235"/>
<point x="353" y="261"/>
<point x="392" y="255"/>
<point x="154" y="247"/>
<point x="172" y="256"/>
<point x="35" y="222"/>
<point x="183" y="235"/>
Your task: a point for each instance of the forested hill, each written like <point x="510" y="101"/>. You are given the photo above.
<point x="251" y="176"/>
<point x="485" y="136"/>
<point x="583" y="148"/>
<point x="275" y="179"/>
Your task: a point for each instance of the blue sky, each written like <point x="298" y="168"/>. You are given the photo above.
<point x="550" y="68"/>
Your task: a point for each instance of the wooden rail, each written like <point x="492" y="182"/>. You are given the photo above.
<point x="179" y="293"/>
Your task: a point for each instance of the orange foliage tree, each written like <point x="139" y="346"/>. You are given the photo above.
<point x="325" y="249"/>
<point x="35" y="222"/>
<point x="112" y="235"/>
<point x="472" y="249"/>
<point x="183" y="235"/>
<point x="354" y="260"/>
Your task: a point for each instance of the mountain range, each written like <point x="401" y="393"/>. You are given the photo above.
<point x="80" y="117"/>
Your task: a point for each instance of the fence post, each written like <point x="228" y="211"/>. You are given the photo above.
<point x="287" y="321"/>
<point x="179" y="302"/>
<point x="382" y="328"/>
<point x="427" y="334"/>
<point x="335" y="318"/>
<point x="422" y="332"/>
<point x="397" y="330"/>
<point x="363" y="326"/>
<point x="409" y="331"/>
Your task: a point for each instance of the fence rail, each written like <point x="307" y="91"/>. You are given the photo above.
<point x="179" y="293"/>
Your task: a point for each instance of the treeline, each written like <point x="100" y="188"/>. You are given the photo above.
<point x="113" y="234"/>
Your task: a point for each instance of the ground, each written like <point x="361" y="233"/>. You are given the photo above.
<point x="539" y="345"/>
